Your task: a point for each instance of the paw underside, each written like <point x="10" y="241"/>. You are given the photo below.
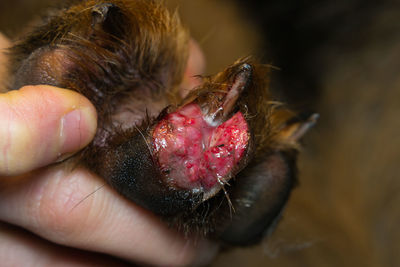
<point x="201" y="165"/>
<point x="221" y="163"/>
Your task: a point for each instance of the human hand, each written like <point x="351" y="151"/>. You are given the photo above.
<point x="40" y="125"/>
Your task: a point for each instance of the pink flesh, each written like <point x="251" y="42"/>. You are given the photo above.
<point x="193" y="154"/>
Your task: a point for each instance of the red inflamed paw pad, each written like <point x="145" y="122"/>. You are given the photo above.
<point x="193" y="154"/>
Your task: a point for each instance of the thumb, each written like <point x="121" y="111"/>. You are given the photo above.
<point x="42" y="124"/>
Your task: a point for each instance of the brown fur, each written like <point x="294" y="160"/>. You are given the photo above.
<point x="128" y="58"/>
<point x="159" y="34"/>
<point x="345" y="212"/>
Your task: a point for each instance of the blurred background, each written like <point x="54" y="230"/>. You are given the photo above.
<point x="341" y="59"/>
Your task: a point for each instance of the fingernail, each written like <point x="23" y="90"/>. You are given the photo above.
<point x="76" y="131"/>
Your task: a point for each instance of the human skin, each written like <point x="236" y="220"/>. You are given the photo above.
<point x="43" y="125"/>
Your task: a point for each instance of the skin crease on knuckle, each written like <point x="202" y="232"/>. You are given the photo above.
<point x="231" y="107"/>
<point x="48" y="205"/>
